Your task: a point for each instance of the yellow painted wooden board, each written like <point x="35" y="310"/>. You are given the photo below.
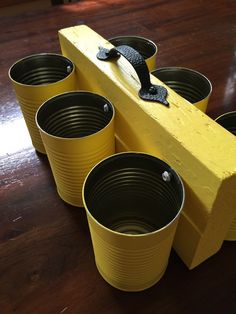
<point x="193" y="144"/>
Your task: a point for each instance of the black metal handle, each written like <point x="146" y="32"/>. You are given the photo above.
<point x="148" y="91"/>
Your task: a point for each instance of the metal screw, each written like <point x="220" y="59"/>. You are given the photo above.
<point x="68" y="69"/>
<point x="166" y="176"/>
<point x="152" y="90"/>
<point x="106" y="108"/>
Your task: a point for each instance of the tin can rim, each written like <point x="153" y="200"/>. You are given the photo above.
<point x="140" y="38"/>
<point x="125" y="234"/>
<point x="75" y="138"/>
<point x="225" y="115"/>
<point x="185" y="69"/>
<point x="39" y="55"/>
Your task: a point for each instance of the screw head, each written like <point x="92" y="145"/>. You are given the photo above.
<point x="106" y="108"/>
<point x="68" y="69"/>
<point x="166" y="176"/>
<point x="152" y="90"/>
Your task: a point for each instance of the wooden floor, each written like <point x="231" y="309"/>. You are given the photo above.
<point x="13" y="8"/>
<point x="46" y="257"/>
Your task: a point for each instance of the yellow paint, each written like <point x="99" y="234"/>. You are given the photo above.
<point x="192" y="143"/>
<point x="231" y="234"/>
<point x="202" y="104"/>
<point x="31" y="97"/>
<point x="72" y="158"/>
<point x="151" y="62"/>
<point x="128" y="261"/>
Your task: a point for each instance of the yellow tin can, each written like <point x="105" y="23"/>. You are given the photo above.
<point x="77" y="129"/>
<point x="146" y="47"/>
<point x="133" y="201"/>
<point x="37" y="78"/>
<point x="228" y="121"/>
<point x="188" y="83"/>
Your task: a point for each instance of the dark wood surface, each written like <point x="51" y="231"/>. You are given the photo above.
<point x="46" y="258"/>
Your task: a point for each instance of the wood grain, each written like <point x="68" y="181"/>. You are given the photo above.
<point x="46" y="257"/>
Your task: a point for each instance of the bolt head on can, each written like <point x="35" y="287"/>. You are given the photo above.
<point x="166" y="176"/>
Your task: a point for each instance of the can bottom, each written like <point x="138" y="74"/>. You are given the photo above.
<point x="127" y="287"/>
<point x="230" y="236"/>
<point x="69" y="201"/>
<point x="40" y="151"/>
<point x="39" y="148"/>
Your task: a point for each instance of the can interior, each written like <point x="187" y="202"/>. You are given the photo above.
<point x="228" y="121"/>
<point x="74" y="114"/>
<point x="189" y="84"/>
<point x="41" y="69"/>
<point x="126" y="193"/>
<point x="145" y="47"/>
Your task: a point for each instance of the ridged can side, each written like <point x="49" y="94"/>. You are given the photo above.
<point x="37" y="78"/>
<point x="126" y="266"/>
<point x="71" y="160"/>
<point x="77" y="129"/>
<point x="133" y="202"/>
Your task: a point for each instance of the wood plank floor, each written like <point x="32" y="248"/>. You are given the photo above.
<point x="46" y="257"/>
<point x="13" y="8"/>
